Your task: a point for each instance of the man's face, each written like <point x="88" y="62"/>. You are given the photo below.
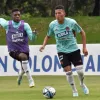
<point x="16" y="16"/>
<point x="60" y="14"/>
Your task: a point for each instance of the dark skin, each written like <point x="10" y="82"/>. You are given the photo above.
<point x="16" y="16"/>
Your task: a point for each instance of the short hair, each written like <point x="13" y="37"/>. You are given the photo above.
<point x="15" y="9"/>
<point x="59" y="7"/>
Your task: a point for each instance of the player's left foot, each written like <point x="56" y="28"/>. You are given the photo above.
<point x="85" y="89"/>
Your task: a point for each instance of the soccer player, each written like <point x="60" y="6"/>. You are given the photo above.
<point x="17" y="34"/>
<point x="64" y="29"/>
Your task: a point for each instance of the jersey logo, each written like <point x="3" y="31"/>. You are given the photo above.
<point x="67" y="28"/>
<point x="62" y="34"/>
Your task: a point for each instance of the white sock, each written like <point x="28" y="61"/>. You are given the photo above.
<point x="80" y="73"/>
<point x="25" y="65"/>
<point x="70" y="79"/>
<point x="21" y="71"/>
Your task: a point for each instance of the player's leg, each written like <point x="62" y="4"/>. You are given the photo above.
<point x="79" y="69"/>
<point x="25" y="65"/>
<point x="67" y="68"/>
<point x="23" y="58"/>
<point x="70" y="79"/>
<point x="21" y="73"/>
<point x="77" y="61"/>
<point x="14" y="55"/>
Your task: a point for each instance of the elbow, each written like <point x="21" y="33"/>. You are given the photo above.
<point x="82" y="33"/>
<point x="48" y="37"/>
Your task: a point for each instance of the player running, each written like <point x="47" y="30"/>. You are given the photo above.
<point x="64" y="30"/>
<point x="17" y="34"/>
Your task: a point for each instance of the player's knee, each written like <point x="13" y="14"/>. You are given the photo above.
<point x="23" y="57"/>
<point x="67" y="68"/>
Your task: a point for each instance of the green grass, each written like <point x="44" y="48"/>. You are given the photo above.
<point x="9" y="90"/>
<point x="91" y="25"/>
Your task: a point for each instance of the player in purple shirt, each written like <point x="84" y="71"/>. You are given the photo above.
<point x="17" y="34"/>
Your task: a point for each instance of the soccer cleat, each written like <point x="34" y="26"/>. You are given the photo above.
<point x="85" y="89"/>
<point x="75" y="94"/>
<point x="31" y="83"/>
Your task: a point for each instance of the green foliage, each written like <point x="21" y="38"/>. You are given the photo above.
<point x="83" y="7"/>
<point x="32" y="7"/>
<point x="45" y="8"/>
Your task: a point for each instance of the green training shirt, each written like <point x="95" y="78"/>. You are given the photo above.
<point x="65" y="39"/>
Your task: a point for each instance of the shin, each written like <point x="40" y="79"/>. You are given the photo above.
<point x="80" y="73"/>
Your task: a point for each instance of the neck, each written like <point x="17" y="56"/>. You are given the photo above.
<point x="16" y="21"/>
<point x="61" y="22"/>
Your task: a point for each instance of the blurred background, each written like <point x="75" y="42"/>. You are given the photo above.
<point x="39" y="13"/>
<point x="45" y="8"/>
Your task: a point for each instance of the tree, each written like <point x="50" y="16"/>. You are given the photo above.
<point x="96" y="10"/>
<point x="54" y="3"/>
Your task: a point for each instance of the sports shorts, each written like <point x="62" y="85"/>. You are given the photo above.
<point x="15" y="54"/>
<point x="66" y="59"/>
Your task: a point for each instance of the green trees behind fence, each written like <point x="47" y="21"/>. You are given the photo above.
<point x="45" y="8"/>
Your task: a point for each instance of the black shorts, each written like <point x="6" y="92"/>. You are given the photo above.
<point x="70" y="58"/>
<point x="15" y="54"/>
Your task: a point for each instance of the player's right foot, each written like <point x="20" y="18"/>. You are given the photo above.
<point x="75" y="94"/>
<point x="31" y="83"/>
<point x="85" y="89"/>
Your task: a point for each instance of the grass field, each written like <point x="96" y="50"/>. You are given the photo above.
<point x="9" y="90"/>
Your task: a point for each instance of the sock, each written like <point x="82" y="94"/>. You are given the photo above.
<point x="21" y="71"/>
<point x="70" y="79"/>
<point x="80" y="73"/>
<point x="25" y="66"/>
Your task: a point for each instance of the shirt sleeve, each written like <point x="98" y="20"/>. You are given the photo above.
<point x="32" y="36"/>
<point x="3" y="23"/>
<point x="50" y="30"/>
<point x="76" y="27"/>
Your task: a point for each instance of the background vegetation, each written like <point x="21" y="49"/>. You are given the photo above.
<point x="45" y="8"/>
<point x="91" y="25"/>
<point x="39" y="13"/>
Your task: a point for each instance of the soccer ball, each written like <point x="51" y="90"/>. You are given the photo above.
<point x="49" y="92"/>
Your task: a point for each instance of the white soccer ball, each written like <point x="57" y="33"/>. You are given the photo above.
<point x="49" y="92"/>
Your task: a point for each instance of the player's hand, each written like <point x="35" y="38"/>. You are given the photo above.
<point x="35" y="31"/>
<point x="85" y="52"/>
<point x="41" y="48"/>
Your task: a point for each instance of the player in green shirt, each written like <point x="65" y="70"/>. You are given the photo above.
<point x="64" y="29"/>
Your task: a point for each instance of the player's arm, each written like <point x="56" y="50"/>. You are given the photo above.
<point x="44" y="43"/>
<point x="47" y="37"/>
<point x="85" y="52"/>
<point x="3" y="23"/>
<point x="31" y="34"/>
<point x="78" y="29"/>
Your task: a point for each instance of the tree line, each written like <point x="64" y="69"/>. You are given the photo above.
<point x="45" y="8"/>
